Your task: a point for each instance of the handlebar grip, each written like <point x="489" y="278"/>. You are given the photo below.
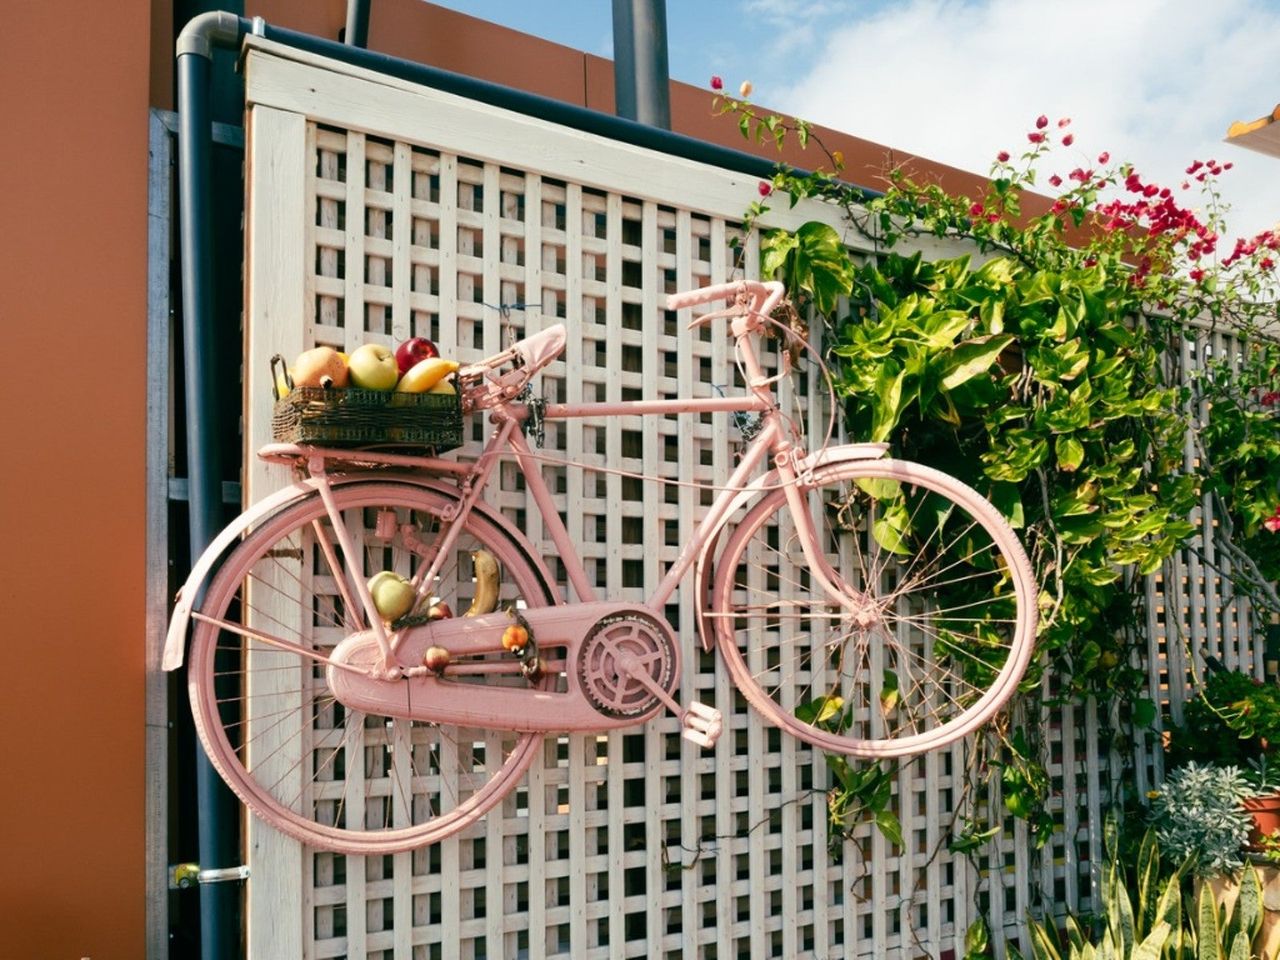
<point x="761" y="293"/>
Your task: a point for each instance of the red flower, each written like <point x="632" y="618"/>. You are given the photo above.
<point x="717" y="83"/>
<point x="976" y="210"/>
<point x="1041" y="122"/>
<point x="992" y="217"/>
<point x="1068" y="140"/>
<point x="1056" y="180"/>
<point x="1266" y="263"/>
<point x="1197" y="275"/>
<point x="1064" y="122"/>
<point x="1270" y="400"/>
<point x="1194" y="167"/>
<point x="765" y="188"/>
<point x="1228" y="165"/>
<point x="1003" y="156"/>
<point x="1272" y="523"/>
<point x="1103" y="157"/>
<point x="1036" y="137"/>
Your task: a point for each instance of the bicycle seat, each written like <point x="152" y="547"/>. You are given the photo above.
<point x="529" y="356"/>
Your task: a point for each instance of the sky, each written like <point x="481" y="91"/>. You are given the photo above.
<point x="1152" y="82"/>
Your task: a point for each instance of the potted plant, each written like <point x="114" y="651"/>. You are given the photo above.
<point x="1198" y="815"/>
<point x="1236" y="722"/>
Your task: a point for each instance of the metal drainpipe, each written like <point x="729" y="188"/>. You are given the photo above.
<point x="219" y="812"/>
<point x="640" y="74"/>
<point x="357" y="32"/>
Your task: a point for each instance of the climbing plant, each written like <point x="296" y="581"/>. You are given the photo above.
<point x="1041" y="363"/>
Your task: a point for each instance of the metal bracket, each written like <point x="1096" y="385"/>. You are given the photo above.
<point x="183" y="876"/>
<point x="536" y="421"/>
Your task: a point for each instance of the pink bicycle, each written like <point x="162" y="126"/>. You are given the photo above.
<point x="867" y="606"/>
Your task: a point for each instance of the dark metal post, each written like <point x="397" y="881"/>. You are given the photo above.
<point x="640" y="72"/>
<point x="357" y="32"/>
<point x="219" y="814"/>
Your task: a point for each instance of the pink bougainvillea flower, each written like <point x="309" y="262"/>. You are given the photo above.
<point x="1272" y="523"/>
<point x="1228" y="165"/>
<point x="976" y="209"/>
<point x="1270" y="400"/>
<point x="1041" y="122"/>
<point x="1035" y="137"/>
<point x="1266" y="263"/>
<point x="1197" y="274"/>
<point x="717" y="83"/>
<point x="1196" y="165"/>
<point x="1068" y="140"/>
<point x="765" y="188"/>
<point x="1055" y="180"/>
<point x="1003" y="156"/>
<point x="1064" y="122"/>
<point x="992" y="217"/>
<point x="1103" y="157"/>
<point x="744" y="91"/>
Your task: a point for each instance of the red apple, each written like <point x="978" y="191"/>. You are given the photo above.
<point x="413" y="350"/>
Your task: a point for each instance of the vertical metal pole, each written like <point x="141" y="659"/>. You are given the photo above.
<point x="640" y="72"/>
<point x="219" y="829"/>
<point x="357" y="32"/>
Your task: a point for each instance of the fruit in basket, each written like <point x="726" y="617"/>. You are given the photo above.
<point x="488" y="583"/>
<point x="435" y="658"/>
<point x="425" y="375"/>
<point x="413" y="351"/>
<point x="373" y="367"/>
<point x="444" y="386"/>
<point x="320" y="367"/>
<point x="393" y="595"/>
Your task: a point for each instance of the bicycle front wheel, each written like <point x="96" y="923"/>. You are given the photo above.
<point x="339" y="779"/>
<point x="926" y="634"/>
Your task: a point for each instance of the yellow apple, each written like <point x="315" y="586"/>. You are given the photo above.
<point x="373" y="367"/>
<point x="393" y="595"/>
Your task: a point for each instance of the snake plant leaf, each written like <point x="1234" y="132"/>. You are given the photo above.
<point x="1042" y="946"/>
<point x="1249" y="906"/>
<point x="1149" y="949"/>
<point x="1075" y="936"/>
<point x="1239" y="947"/>
<point x="1148" y="874"/>
<point x="1208" y="930"/>
<point x="1121" y="915"/>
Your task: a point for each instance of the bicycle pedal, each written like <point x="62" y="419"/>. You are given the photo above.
<point x="702" y="724"/>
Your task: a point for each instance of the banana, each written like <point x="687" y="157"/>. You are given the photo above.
<point x="444" y="386"/>
<point x="425" y="374"/>
<point x="488" y="583"/>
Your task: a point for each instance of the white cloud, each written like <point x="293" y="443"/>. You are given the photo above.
<point x="1155" y="82"/>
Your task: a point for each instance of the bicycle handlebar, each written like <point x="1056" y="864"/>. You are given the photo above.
<point x="764" y="295"/>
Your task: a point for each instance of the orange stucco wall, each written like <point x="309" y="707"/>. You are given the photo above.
<point x="77" y="78"/>
<point x="72" y="402"/>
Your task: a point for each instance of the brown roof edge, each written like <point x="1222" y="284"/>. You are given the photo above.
<point x="1262" y="135"/>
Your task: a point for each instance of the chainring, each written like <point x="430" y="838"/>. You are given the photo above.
<point x="606" y="687"/>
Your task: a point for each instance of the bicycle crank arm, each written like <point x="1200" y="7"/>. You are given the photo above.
<point x="700" y="723"/>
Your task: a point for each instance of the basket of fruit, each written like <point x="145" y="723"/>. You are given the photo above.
<point x="374" y="397"/>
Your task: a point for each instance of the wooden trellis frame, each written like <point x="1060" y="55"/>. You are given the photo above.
<point x="378" y="209"/>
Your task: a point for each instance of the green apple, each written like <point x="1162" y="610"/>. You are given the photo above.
<point x="393" y="595"/>
<point x="373" y="367"/>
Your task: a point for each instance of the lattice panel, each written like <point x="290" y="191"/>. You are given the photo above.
<point x="378" y="211"/>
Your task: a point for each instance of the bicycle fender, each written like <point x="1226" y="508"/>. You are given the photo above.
<point x="175" y="644"/>
<point x="703" y="565"/>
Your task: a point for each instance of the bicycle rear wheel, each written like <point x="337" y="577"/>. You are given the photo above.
<point x="931" y="629"/>
<point x="342" y="780"/>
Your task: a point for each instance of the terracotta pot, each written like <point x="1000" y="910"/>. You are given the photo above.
<point x="1266" y="817"/>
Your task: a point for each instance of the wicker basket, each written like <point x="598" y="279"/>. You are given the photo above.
<point x="359" y="418"/>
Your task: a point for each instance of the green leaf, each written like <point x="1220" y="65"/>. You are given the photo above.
<point x="1070" y="452"/>
<point x="1208" y="932"/>
<point x="1149" y="949"/>
<point x="972" y="358"/>
<point x="1249" y="905"/>
<point x="888" y="823"/>
<point x="1144" y="713"/>
<point x="976" y="940"/>
<point x="889" y="693"/>
<point x="1042" y="948"/>
<point x="888" y="391"/>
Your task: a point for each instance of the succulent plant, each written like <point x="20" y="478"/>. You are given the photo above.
<point x="1197" y="814"/>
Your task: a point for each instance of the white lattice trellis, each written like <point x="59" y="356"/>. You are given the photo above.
<point x="380" y="210"/>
